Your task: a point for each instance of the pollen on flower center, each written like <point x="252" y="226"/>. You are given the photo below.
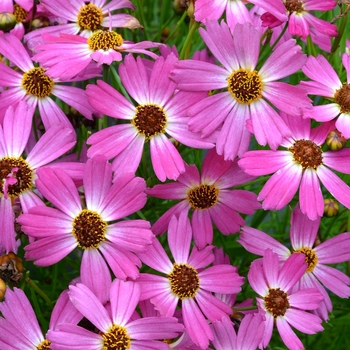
<point x="37" y="83"/>
<point x="184" y="281"/>
<point x="18" y="169"/>
<point x="44" y="345"/>
<point x="150" y="120"/>
<point x="117" y="338"/>
<point x="90" y="17"/>
<point x="89" y="229"/>
<point x="307" y="153"/>
<point x="203" y="197"/>
<point x="105" y="40"/>
<point x="277" y="302"/>
<point x="310" y="257"/>
<point x="294" y="6"/>
<point x="20" y="13"/>
<point x="342" y="97"/>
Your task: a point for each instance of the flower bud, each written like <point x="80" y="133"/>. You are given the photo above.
<point x="335" y="141"/>
<point x="331" y="207"/>
<point x="11" y="268"/>
<point x="7" y="21"/>
<point x="2" y="289"/>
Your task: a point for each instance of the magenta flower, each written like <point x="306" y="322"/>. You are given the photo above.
<point x="188" y="281"/>
<point x="209" y="197"/>
<point x="18" y="173"/>
<point x="35" y="86"/>
<point x="59" y="231"/>
<point x="326" y="83"/>
<point x="280" y="305"/>
<point x="244" y="106"/>
<point x="303" y="165"/>
<point x="303" y="233"/>
<point x="159" y="111"/>
<point x="114" y="323"/>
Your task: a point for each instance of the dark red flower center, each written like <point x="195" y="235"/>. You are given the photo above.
<point x="37" y="83"/>
<point x="203" y="196"/>
<point x="105" y="40"/>
<point x="90" y="17"/>
<point x="294" y="6"/>
<point x="276" y="302"/>
<point x="307" y="153"/>
<point x="342" y="97"/>
<point x="117" y="338"/>
<point x="310" y="257"/>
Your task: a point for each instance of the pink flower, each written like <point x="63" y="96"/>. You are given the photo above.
<point x="17" y="173"/>
<point x="35" y="86"/>
<point x="282" y="306"/>
<point x="105" y="244"/>
<point x="303" y="233"/>
<point x="159" y="111"/>
<point x="188" y="281"/>
<point x="209" y="197"/>
<point x="244" y="105"/>
<point x="114" y="323"/>
<point x="326" y="83"/>
<point x="303" y="165"/>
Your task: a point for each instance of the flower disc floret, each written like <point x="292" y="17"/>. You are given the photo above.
<point x="184" y="281"/>
<point x="90" y="17"/>
<point x="117" y="338"/>
<point x="203" y="197"/>
<point x="105" y="40"/>
<point x="245" y="86"/>
<point x="150" y="120"/>
<point x="310" y="257"/>
<point x="20" y="13"/>
<point x="307" y="153"/>
<point x="89" y="229"/>
<point x="294" y="6"/>
<point x="21" y="170"/>
<point x="44" y="345"/>
<point x="37" y="83"/>
<point x="277" y="302"/>
<point x="342" y="97"/>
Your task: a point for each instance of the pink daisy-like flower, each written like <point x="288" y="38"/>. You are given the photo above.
<point x="35" y="86"/>
<point x="17" y="172"/>
<point x="188" y="281"/>
<point x="244" y="106"/>
<point x="114" y="323"/>
<point x="236" y="11"/>
<point x="59" y="231"/>
<point x="298" y="14"/>
<point x="303" y="165"/>
<point x="161" y="111"/>
<point x="303" y="233"/>
<point x="326" y="83"/>
<point x="279" y="304"/>
<point x="209" y="197"/>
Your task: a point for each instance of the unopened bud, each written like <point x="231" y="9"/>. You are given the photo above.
<point x="2" y="289"/>
<point x="335" y="141"/>
<point x="331" y="207"/>
<point x="7" y="21"/>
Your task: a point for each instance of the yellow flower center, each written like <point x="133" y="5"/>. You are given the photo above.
<point x="105" y="40"/>
<point x="90" y="17"/>
<point x="37" y="83"/>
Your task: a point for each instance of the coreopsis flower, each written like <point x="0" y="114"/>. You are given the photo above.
<point x="188" y="280"/>
<point x="18" y="172"/>
<point x="60" y="230"/>
<point x="279" y="304"/>
<point x="236" y="11"/>
<point x="114" y="323"/>
<point x="244" y="106"/>
<point x="160" y="111"/>
<point x="35" y="86"/>
<point x="302" y="165"/>
<point x="299" y="15"/>
<point x="326" y="83"/>
<point x="209" y="197"/>
<point x="303" y="232"/>
<point x="248" y="337"/>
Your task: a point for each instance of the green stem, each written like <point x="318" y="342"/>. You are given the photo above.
<point x="38" y="290"/>
<point x="185" y="48"/>
<point x="178" y="24"/>
<point x="341" y="30"/>
<point x="141" y="13"/>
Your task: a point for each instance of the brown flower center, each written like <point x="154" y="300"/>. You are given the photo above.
<point x="342" y="97"/>
<point x="44" y="345"/>
<point x="307" y="153"/>
<point x="245" y="86"/>
<point x="150" y="120"/>
<point x="18" y="169"/>
<point x="277" y="302"/>
<point x="310" y="257"/>
<point x="294" y="6"/>
<point x="105" y="40"/>
<point x="117" y="338"/>
<point x="203" y="197"/>
<point x="90" y="17"/>
<point x="20" y="13"/>
<point x="89" y="229"/>
<point x="37" y="83"/>
<point x="184" y="281"/>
